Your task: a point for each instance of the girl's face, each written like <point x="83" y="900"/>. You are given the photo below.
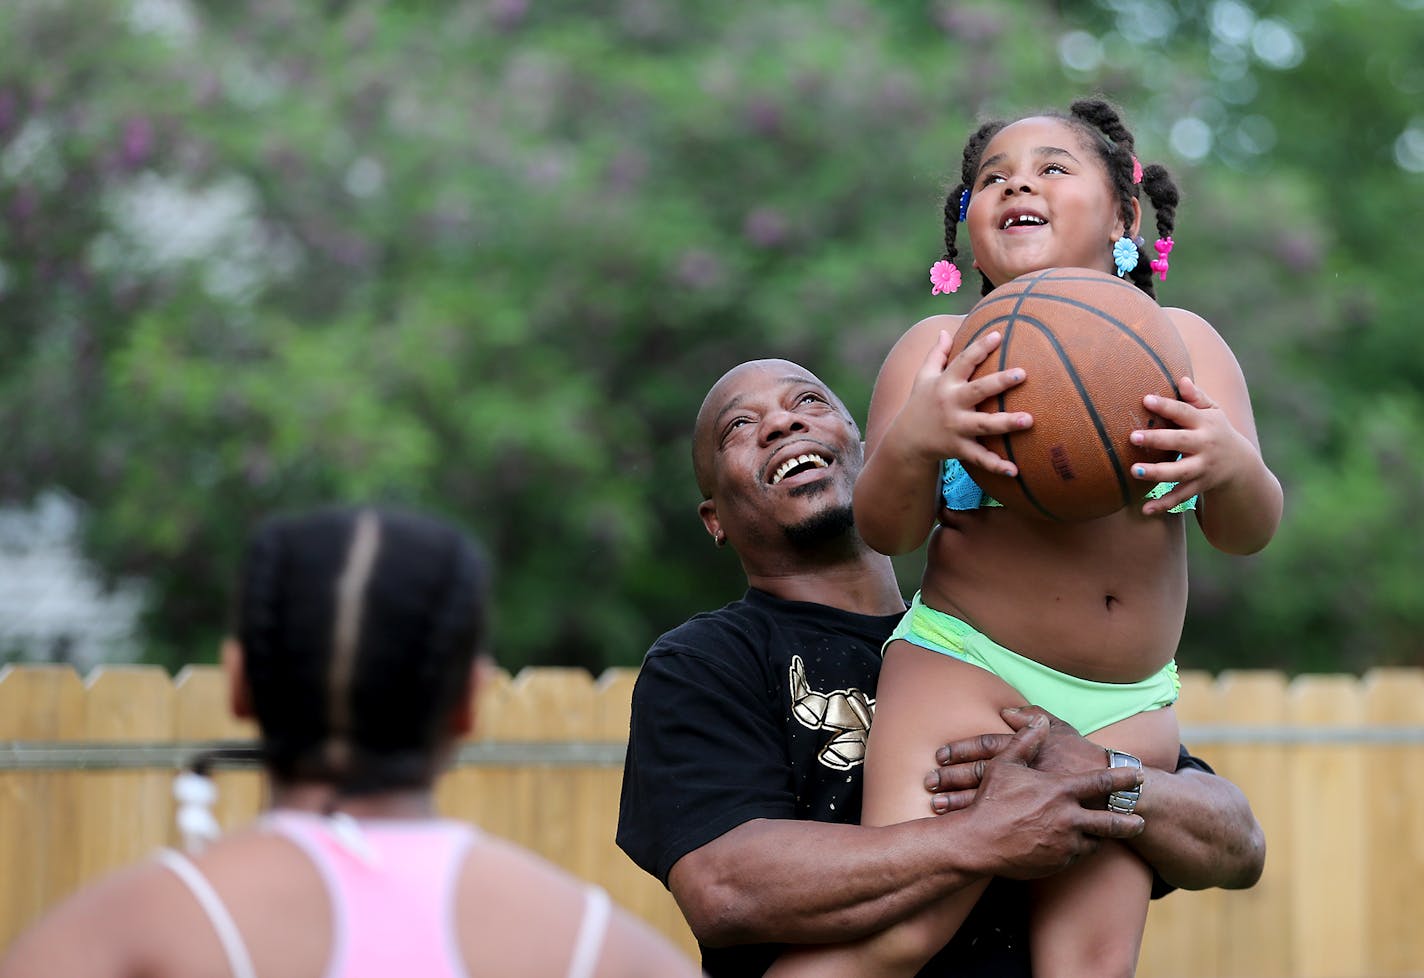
<point x="1041" y="199"/>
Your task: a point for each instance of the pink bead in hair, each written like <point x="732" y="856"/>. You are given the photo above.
<point x="1159" y="264"/>
<point x="944" y="277"/>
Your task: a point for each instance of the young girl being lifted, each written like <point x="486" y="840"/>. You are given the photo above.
<point x="1082" y="619"/>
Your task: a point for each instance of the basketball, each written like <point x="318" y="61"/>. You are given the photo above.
<point x="1091" y="346"/>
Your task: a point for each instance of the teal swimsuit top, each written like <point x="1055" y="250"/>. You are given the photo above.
<point x="959" y="491"/>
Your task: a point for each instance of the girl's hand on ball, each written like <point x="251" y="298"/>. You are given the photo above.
<point x="942" y="408"/>
<point x="1213" y="453"/>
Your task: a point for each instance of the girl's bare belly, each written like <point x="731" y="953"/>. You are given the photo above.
<point x="1102" y="600"/>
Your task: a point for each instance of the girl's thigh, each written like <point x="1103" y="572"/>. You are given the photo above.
<point x="923" y="700"/>
<point x="1153" y="736"/>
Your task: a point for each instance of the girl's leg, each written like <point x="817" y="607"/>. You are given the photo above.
<point x="1088" y="920"/>
<point x="923" y="700"/>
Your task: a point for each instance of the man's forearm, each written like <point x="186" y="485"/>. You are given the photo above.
<point x="771" y="880"/>
<point x="810" y="882"/>
<point x="1200" y="831"/>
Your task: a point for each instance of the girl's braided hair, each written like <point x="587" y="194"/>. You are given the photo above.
<point x="359" y="628"/>
<point x="1104" y="130"/>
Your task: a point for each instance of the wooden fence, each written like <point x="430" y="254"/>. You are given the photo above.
<point x="1333" y="765"/>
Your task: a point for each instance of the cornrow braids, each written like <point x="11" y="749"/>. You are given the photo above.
<point x="264" y="631"/>
<point x="359" y="628"/>
<point x="1102" y="126"/>
<point x="969" y="165"/>
<point x="425" y="621"/>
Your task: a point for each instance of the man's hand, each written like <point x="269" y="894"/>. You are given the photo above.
<point x="963" y="763"/>
<point x="1203" y="831"/>
<point x="1040" y="821"/>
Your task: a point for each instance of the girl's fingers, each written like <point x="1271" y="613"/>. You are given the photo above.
<point x="973" y="355"/>
<point x="1194" y="395"/>
<point x="1180" y="493"/>
<point x="938" y="357"/>
<point x="977" y="454"/>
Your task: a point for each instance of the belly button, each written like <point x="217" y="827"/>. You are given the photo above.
<point x="1108" y="601"/>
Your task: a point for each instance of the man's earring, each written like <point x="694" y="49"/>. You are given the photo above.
<point x="719" y="538"/>
<point x="1124" y="255"/>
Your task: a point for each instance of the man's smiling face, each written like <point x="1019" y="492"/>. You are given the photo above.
<point x="776" y="456"/>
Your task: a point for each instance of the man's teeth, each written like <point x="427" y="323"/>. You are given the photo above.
<point x="1021" y="219"/>
<point x="785" y="468"/>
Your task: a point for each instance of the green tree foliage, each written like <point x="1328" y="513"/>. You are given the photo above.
<point x="485" y="256"/>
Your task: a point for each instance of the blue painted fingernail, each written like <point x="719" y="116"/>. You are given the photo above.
<point x="1139" y="472"/>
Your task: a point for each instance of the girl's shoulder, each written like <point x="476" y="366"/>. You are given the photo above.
<point x="1200" y="336"/>
<point x="916" y="341"/>
<point x="1192" y="327"/>
<point x="932" y="325"/>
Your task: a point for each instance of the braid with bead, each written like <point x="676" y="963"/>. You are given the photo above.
<point x="1116" y="150"/>
<point x="973" y="152"/>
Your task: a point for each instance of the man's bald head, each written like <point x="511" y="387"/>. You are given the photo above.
<point x="734" y="389"/>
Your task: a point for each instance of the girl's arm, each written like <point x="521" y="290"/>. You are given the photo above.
<point x="102" y="930"/>
<point x="1241" y="499"/>
<point x="922" y="412"/>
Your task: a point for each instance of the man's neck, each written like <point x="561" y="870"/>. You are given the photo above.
<point x="863" y="584"/>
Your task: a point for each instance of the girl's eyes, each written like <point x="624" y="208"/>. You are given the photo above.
<point x="1000" y="178"/>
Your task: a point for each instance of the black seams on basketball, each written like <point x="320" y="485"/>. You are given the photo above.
<point x="1091" y="346"/>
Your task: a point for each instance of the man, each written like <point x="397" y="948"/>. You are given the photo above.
<point x="742" y="783"/>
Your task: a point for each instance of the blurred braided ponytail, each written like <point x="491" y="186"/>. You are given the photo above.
<point x="1116" y="147"/>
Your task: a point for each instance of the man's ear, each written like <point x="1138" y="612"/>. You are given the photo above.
<point x="707" y="509"/>
<point x="239" y="693"/>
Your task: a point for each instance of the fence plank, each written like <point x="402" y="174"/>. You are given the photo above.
<point x="124" y="815"/>
<point x="1393" y="814"/>
<point x="1181" y="933"/>
<point x="1328" y="889"/>
<point x="1257" y="699"/>
<point x="39" y="851"/>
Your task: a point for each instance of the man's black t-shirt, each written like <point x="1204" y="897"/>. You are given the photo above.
<point x="760" y="710"/>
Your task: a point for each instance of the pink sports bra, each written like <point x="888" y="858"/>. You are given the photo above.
<point x="391" y="886"/>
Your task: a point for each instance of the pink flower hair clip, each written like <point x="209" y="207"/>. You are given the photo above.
<point x="1159" y="264"/>
<point x="1136" y="170"/>
<point x="944" y="277"/>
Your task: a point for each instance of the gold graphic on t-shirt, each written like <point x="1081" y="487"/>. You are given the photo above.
<point x="846" y="711"/>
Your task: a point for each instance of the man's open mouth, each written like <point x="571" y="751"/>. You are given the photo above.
<point x="800" y="463"/>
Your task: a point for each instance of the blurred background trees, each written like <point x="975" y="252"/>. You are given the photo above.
<point x="485" y="256"/>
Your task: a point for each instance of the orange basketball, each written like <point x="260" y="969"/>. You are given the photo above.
<point x="1091" y="346"/>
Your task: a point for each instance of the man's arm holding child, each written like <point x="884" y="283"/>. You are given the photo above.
<point x="1200" y="831"/>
